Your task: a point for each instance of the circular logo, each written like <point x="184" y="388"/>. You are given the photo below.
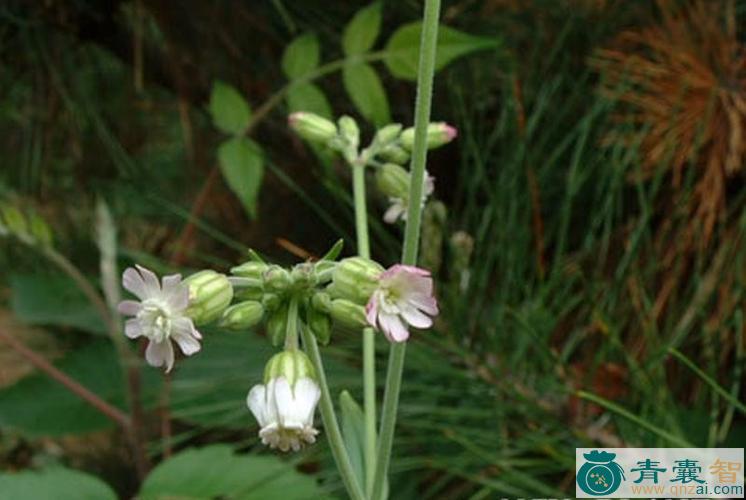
<point x="600" y="475"/>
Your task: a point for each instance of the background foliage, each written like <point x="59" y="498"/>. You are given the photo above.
<point x="588" y="243"/>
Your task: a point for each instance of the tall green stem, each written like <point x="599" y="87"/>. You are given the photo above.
<point x="336" y="443"/>
<point x="428" y="46"/>
<point x="369" y="339"/>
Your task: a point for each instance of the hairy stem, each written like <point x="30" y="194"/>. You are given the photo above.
<point x="428" y="46"/>
<point x="336" y="443"/>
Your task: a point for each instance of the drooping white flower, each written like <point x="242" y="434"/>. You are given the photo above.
<point x="285" y="413"/>
<point x="284" y="405"/>
<point x="398" y="206"/>
<point x="159" y="315"/>
<point x="404" y="297"/>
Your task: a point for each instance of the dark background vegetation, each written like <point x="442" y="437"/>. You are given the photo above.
<point x="589" y="251"/>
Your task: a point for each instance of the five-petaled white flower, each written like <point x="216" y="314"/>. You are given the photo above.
<point x="398" y="206"/>
<point x="404" y="296"/>
<point x="159" y="315"/>
<point x="285" y="412"/>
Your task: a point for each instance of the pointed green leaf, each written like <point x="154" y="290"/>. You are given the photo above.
<point x="229" y="110"/>
<point x="54" y="483"/>
<point x="301" y="56"/>
<point x="366" y="90"/>
<point x="334" y="251"/>
<point x="242" y="163"/>
<point x="361" y="32"/>
<point x="403" y="48"/>
<point x="353" y="430"/>
<point x="308" y="97"/>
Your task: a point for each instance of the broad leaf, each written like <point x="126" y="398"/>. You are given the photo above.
<point x="361" y="32"/>
<point x="54" y="483"/>
<point x="308" y="97"/>
<point x="230" y="111"/>
<point x="403" y="48"/>
<point x="39" y="299"/>
<point x="40" y="406"/>
<point x="301" y="56"/>
<point x="217" y="472"/>
<point x="365" y="89"/>
<point x="242" y="163"/>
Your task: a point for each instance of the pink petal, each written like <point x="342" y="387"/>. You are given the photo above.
<point x="416" y="318"/>
<point x="393" y="328"/>
<point x="371" y="310"/>
<point x="425" y="303"/>
<point x="129" y="307"/>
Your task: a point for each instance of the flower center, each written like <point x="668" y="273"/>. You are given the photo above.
<point x="155" y="320"/>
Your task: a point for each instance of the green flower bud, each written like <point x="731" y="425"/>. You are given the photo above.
<point x="348" y="313"/>
<point x="355" y="279"/>
<point x="303" y="275"/>
<point x="321" y="302"/>
<point x="393" y="181"/>
<point x="394" y="153"/>
<point x="292" y="364"/>
<point x="277" y="325"/>
<point x="242" y="316"/>
<point x="271" y="301"/>
<point x="349" y="132"/>
<point x="320" y="324"/>
<point x="312" y="127"/>
<point x="438" y="134"/>
<point x="277" y="279"/>
<point x="387" y="134"/>
<point x="251" y="269"/>
<point x="209" y="294"/>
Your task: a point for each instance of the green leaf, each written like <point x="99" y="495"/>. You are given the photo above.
<point x="230" y="111"/>
<point x="308" y="97"/>
<point x="301" y="56"/>
<point x="54" y="483"/>
<point x="403" y="48"/>
<point x="366" y="91"/>
<point x="361" y="32"/>
<point x="40" y="406"/>
<point x="217" y="472"/>
<point x="334" y="251"/>
<point x="53" y="300"/>
<point x="353" y="430"/>
<point x="242" y="163"/>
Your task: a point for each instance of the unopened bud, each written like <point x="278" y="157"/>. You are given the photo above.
<point x="312" y="127"/>
<point x="292" y="364"/>
<point x="387" y="134"/>
<point x="320" y="324"/>
<point x="276" y="279"/>
<point x="393" y="181"/>
<point x="302" y="275"/>
<point x="209" y="294"/>
<point x="394" y="153"/>
<point x="242" y="316"/>
<point x="355" y="279"/>
<point x="349" y="132"/>
<point x="438" y="134"/>
<point x="321" y="301"/>
<point x="251" y="269"/>
<point x="348" y="313"/>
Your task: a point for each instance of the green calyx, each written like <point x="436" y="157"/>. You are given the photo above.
<point x="393" y="181"/>
<point x="242" y="316"/>
<point x="355" y="279"/>
<point x="312" y="127"/>
<point x="348" y="313"/>
<point x="292" y="364"/>
<point x="210" y="293"/>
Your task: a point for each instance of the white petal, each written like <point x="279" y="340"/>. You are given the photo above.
<point x="177" y="298"/>
<point x="133" y="282"/>
<point x="393" y="213"/>
<point x="415" y="318"/>
<point x="159" y="354"/>
<point x="171" y="283"/>
<point x="393" y="328"/>
<point x="307" y="394"/>
<point x="150" y="279"/>
<point x="257" y="403"/>
<point x="425" y="303"/>
<point x="132" y="328"/>
<point x="289" y="415"/>
<point x="129" y="307"/>
<point x="182" y="332"/>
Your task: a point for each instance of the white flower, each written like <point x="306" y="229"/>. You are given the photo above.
<point x="398" y="208"/>
<point x="159" y="315"/>
<point x="285" y="413"/>
<point x="404" y="297"/>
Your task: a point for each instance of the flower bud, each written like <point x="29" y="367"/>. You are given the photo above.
<point x="270" y="301"/>
<point x="242" y="316"/>
<point x="321" y="302"/>
<point x="251" y="269"/>
<point x="349" y="132"/>
<point x="312" y="127"/>
<point x="387" y="134"/>
<point x="394" y="153"/>
<point x="292" y="364"/>
<point x="393" y="181"/>
<point x="277" y="325"/>
<point x="348" y="313"/>
<point x="320" y="324"/>
<point x="276" y="279"/>
<point x="438" y="134"/>
<point x="209" y="294"/>
<point x="354" y="279"/>
<point x="303" y="275"/>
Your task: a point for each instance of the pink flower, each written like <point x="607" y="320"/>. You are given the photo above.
<point x="404" y="297"/>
